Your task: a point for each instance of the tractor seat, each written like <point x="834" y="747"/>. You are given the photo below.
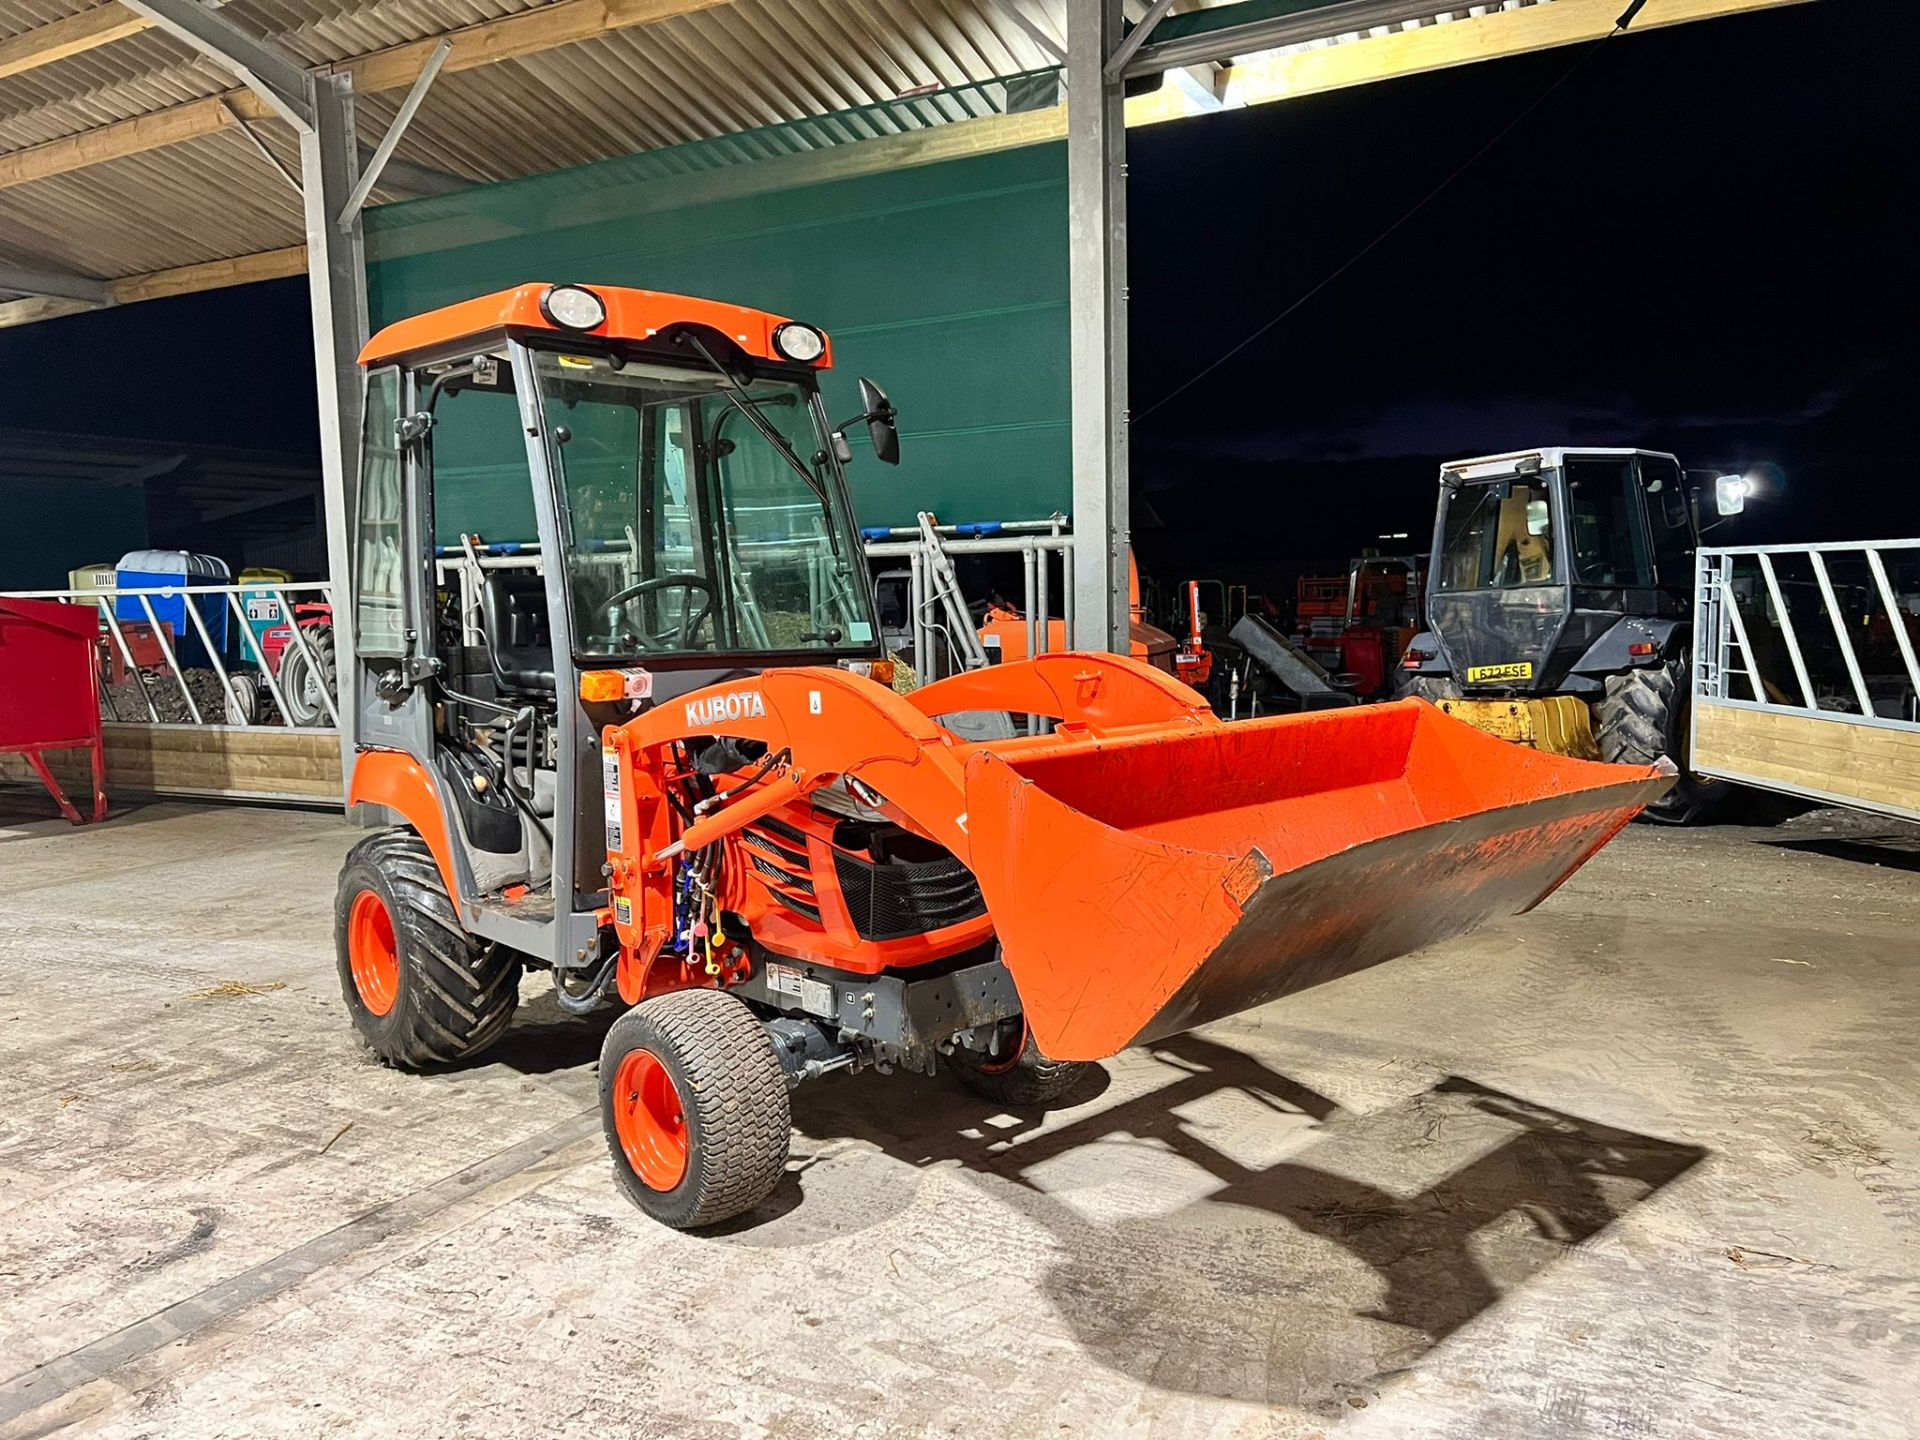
<point x="513" y="614"/>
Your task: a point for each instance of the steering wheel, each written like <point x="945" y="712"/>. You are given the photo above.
<point x="679" y="637"/>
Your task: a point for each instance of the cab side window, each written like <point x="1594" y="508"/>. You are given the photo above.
<point x="380" y="567"/>
<point x="1669" y="518"/>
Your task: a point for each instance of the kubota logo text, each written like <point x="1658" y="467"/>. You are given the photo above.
<point x="734" y="705"/>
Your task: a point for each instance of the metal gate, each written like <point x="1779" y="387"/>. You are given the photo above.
<point x="198" y="694"/>
<point x="1805" y="676"/>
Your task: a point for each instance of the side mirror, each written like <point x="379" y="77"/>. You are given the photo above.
<point x="880" y="417"/>
<point x="1730" y="494"/>
<point x="1538" y="517"/>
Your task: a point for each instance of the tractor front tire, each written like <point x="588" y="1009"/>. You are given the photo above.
<point x="1021" y="1078"/>
<point x="423" y="993"/>
<point x="1642" y="717"/>
<point x="694" y="1103"/>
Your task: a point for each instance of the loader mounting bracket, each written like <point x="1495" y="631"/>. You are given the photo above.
<point x="903" y="1019"/>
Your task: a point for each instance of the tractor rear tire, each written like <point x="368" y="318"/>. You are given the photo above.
<point x="423" y="993"/>
<point x="1025" y="1079"/>
<point x="1642" y="717"/>
<point x="693" y="1100"/>
<point x="301" y="680"/>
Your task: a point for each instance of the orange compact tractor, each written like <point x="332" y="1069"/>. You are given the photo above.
<point x="646" y="752"/>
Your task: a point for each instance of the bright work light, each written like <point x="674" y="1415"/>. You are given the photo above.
<point x="572" y="307"/>
<point x="799" y="342"/>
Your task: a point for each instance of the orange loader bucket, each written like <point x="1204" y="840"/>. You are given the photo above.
<point x="1143" y="884"/>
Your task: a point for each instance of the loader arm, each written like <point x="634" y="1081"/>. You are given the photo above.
<point x="1083" y="690"/>
<point x="1147" y="867"/>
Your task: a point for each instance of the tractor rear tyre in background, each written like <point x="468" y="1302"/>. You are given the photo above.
<point x="1642" y="717"/>
<point x="1020" y="1076"/>
<point x="694" y="1103"/>
<point x="422" y="992"/>
<point x="302" y="681"/>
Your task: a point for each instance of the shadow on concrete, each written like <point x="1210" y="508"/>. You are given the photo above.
<point x="1301" y="1282"/>
<point x="1890" y="851"/>
<point x="22" y="806"/>
<point x="545" y="1039"/>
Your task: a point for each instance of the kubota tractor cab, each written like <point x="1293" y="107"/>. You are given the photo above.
<point x="1558" y="606"/>
<point x="657" y="764"/>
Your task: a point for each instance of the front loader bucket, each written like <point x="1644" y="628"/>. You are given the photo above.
<point x="1144" y="884"/>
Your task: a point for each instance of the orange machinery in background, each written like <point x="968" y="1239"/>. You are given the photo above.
<point x="1003" y="632"/>
<point x="1357" y="625"/>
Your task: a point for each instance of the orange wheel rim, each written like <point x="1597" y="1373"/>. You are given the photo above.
<point x="649" y="1121"/>
<point x="1013" y="1054"/>
<point x="372" y="954"/>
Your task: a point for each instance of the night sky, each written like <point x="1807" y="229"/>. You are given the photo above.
<point x="1696" y="244"/>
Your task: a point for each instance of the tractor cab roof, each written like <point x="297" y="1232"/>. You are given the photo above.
<point x="1548" y="456"/>
<point x="635" y="315"/>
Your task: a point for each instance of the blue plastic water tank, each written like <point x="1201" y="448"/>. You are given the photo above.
<point x="147" y="569"/>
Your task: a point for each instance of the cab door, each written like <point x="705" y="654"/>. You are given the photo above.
<point x="392" y="583"/>
<point x="1670" y="521"/>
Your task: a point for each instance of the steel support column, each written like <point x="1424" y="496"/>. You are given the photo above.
<point x="1097" y="287"/>
<point x="336" y="278"/>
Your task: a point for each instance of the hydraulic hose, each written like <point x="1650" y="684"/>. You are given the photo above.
<point x="593" y="996"/>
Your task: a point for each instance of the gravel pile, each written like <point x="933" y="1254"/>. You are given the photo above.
<point x="123" y="701"/>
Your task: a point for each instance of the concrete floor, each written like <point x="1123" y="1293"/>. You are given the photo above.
<point x="1642" y="1163"/>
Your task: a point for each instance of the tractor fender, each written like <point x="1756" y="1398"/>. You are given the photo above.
<point x="403" y="784"/>
<point x="1609" y="654"/>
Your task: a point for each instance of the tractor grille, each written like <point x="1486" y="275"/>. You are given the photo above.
<point x="797" y="905"/>
<point x="793" y="872"/>
<point x="787" y="871"/>
<point x="901" y="897"/>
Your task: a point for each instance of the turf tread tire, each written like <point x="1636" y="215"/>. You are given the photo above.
<point x="457" y="993"/>
<point x="733" y="1090"/>
<point x="1031" y="1082"/>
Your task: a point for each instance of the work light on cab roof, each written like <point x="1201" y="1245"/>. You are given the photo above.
<point x="799" y="342"/>
<point x="574" y="307"/>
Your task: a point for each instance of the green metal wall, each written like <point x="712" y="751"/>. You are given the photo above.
<point x="946" y="282"/>
<point x="55" y="525"/>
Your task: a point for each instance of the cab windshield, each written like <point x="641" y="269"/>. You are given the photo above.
<point x="1498" y="535"/>
<point x="686" y="526"/>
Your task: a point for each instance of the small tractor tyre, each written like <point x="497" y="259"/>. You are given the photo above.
<point x="1642" y="717"/>
<point x="298" y="675"/>
<point x="243" y="698"/>
<point x="422" y="992"/>
<point x="693" y="1100"/>
<point x="1025" y="1080"/>
<point x="1428" y="687"/>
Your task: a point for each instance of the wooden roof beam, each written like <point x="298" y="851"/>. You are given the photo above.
<point x="488" y="43"/>
<point x="74" y="35"/>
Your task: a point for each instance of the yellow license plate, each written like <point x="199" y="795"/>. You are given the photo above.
<point x="1482" y="674"/>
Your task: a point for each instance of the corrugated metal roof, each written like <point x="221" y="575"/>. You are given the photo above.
<point x="738" y="67"/>
<point x="24" y="15"/>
